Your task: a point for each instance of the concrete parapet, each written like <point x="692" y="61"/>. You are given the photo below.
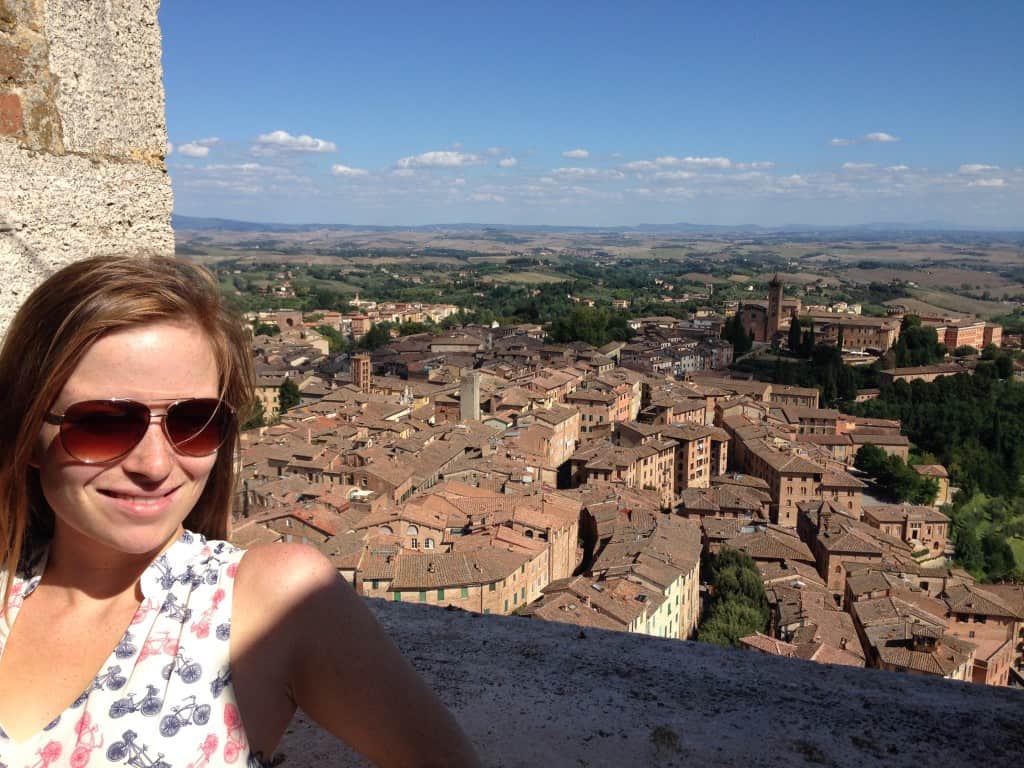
<point x="532" y="693"/>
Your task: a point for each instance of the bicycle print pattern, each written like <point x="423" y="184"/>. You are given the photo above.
<point x="163" y="699"/>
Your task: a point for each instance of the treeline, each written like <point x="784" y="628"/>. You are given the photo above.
<point x="737" y="605"/>
<point x="974" y="426"/>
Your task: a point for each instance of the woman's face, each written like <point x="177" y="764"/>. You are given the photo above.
<point x="134" y="504"/>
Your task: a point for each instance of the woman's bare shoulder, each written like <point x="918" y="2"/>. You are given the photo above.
<point x="281" y="575"/>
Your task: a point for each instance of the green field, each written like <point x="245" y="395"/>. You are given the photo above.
<point x="960" y="303"/>
<point x="527" y="278"/>
<point x="1017" y="545"/>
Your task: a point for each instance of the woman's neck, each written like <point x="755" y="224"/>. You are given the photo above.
<point x="86" y="570"/>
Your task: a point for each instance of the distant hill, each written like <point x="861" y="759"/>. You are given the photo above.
<point x="871" y="230"/>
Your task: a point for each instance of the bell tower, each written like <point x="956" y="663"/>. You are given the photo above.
<point x="774" y="306"/>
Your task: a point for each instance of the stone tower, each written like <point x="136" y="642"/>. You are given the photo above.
<point x="774" y="306"/>
<point x="362" y="372"/>
<point x="469" y="397"/>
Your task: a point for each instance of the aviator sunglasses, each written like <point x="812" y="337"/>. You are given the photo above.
<point x="97" y="431"/>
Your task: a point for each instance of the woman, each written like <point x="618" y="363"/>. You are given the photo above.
<point x="132" y="634"/>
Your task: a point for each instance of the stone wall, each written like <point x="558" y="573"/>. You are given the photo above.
<point x="82" y="137"/>
<point x="532" y="693"/>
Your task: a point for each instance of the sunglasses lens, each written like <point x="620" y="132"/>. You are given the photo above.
<point x="198" y="427"/>
<point x="102" y="430"/>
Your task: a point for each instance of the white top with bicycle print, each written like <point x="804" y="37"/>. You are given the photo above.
<point x="163" y="698"/>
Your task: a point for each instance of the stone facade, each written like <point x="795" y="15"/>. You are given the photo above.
<point x="82" y="137"/>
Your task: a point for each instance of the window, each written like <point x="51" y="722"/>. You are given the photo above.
<point x="412" y="530"/>
<point x="465" y="591"/>
<point x="423" y="595"/>
<point x="397" y="597"/>
<point x="386" y="529"/>
<point x="428" y="544"/>
<point x="506" y="606"/>
<point x="374" y="584"/>
<point x="415" y="543"/>
<point x="486" y="611"/>
<point x="491" y="587"/>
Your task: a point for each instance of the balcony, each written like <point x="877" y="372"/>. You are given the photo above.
<point x="531" y="693"/>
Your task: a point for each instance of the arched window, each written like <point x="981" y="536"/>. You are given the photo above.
<point x="386" y="529"/>
<point x="529" y="533"/>
<point x="412" y="530"/>
<point x="428" y="544"/>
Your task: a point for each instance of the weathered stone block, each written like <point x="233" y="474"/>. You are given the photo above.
<point x="12" y="62"/>
<point x="11" y="117"/>
<point x="7" y="18"/>
<point x="55" y="209"/>
<point x="106" y="58"/>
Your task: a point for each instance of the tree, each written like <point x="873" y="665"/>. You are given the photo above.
<point x="257" y="416"/>
<point x="267" y="329"/>
<point x="378" y="335"/>
<point x="335" y="341"/>
<point x="917" y="345"/>
<point x="734" y="332"/>
<point x="738" y="605"/>
<point x="289" y="395"/>
<point x="793" y="340"/>
<point x="592" y="325"/>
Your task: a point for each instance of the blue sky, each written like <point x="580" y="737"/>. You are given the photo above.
<point x="596" y="113"/>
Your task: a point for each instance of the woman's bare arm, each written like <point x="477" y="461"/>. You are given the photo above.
<point x="337" y="664"/>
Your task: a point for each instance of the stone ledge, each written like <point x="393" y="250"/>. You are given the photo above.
<point x="531" y="693"/>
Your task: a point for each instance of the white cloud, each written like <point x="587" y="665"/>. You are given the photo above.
<point x="694" y="162"/>
<point x="440" y="159"/>
<point x="760" y="165"/>
<point x="282" y="141"/>
<point x="674" y="175"/>
<point x="873" y="137"/>
<point x="897" y="168"/>
<point x="639" y="166"/>
<point x="494" y="151"/>
<point x="669" y="161"/>
<point x="858" y="166"/>
<point x="586" y="173"/>
<point x="508" y="162"/>
<point x="170" y="149"/>
<point x="343" y="170"/>
<point x="403" y="172"/>
<point x="193" y="149"/>
<point x="486" y="197"/>
<point x="988" y="183"/>
<point x="973" y="169"/>
<point x="576" y="154"/>
<point x="243" y="167"/>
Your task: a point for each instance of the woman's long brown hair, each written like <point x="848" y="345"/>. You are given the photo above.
<point x="47" y="339"/>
